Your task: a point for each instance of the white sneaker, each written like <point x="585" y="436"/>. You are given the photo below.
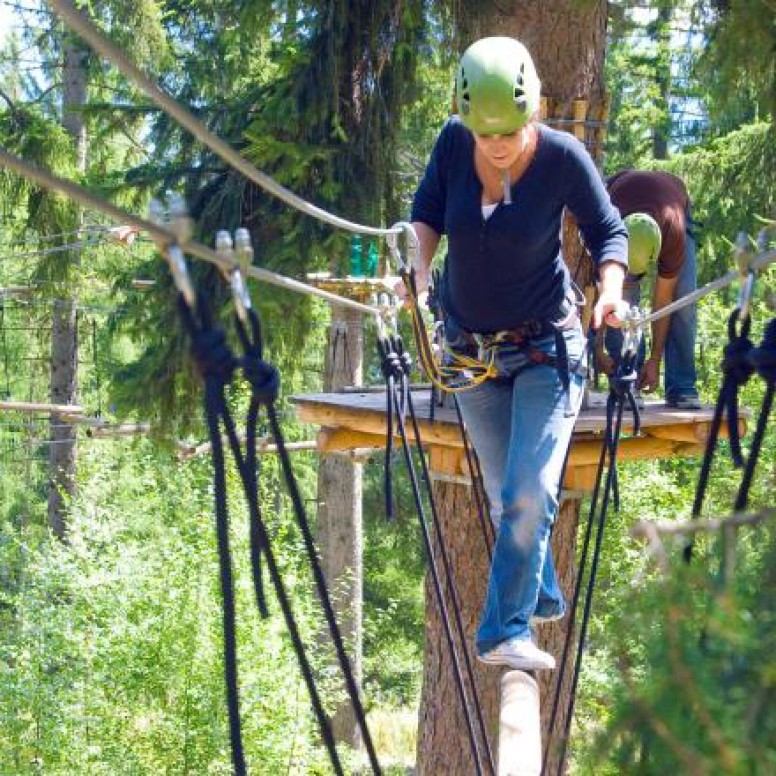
<point x="522" y="654"/>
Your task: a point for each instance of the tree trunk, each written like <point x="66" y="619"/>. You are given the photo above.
<point x="567" y="40"/>
<point x="64" y="334"/>
<point x="340" y="512"/>
<point x="443" y="744"/>
<point x="662" y="129"/>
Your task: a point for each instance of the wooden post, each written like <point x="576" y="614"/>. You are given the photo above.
<point x="340" y="512"/>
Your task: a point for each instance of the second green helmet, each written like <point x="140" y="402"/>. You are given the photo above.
<point x="497" y="89"/>
<point x="644" y="242"/>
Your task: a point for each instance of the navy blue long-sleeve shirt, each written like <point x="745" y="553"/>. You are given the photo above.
<point x="506" y="270"/>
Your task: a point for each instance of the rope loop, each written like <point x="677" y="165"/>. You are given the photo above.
<point x="738" y="318"/>
<point x="391" y="365"/>
<point x="405" y="359"/>
<point x="736" y="360"/>
<point x="763" y="358"/>
<point x="737" y="368"/>
<point x="209" y="348"/>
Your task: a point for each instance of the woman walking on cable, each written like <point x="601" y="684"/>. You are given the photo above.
<point x="496" y="185"/>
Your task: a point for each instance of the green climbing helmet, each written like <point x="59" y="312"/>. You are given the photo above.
<point x="644" y="241"/>
<point x="497" y="89"/>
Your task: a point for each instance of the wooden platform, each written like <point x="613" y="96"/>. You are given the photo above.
<point x="352" y="421"/>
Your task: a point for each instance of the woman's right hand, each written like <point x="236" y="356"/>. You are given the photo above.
<point x="421" y="287"/>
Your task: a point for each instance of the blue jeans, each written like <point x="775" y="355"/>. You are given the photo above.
<point x="679" y="375"/>
<point x="520" y="430"/>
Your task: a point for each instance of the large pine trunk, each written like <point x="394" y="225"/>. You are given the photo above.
<point x="567" y="41"/>
<point x="63" y="386"/>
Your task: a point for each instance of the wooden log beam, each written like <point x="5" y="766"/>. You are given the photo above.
<point x="263" y="445"/>
<point x="365" y="428"/>
<point x="31" y="406"/>
<point x="520" y="728"/>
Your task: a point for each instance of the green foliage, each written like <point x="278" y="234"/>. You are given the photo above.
<point x="738" y="66"/>
<point x="694" y="685"/>
<point x="27" y="133"/>
<point x="110" y="653"/>
<point x="730" y="183"/>
<point x="393" y="593"/>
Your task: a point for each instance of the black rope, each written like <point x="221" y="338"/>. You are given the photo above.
<point x="265" y="384"/>
<point x="737" y="368"/>
<point x="216" y="365"/>
<point x="621" y="395"/>
<point x="396" y="366"/>
<point x="390" y="380"/>
<point x="449" y="575"/>
<point x="763" y="361"/>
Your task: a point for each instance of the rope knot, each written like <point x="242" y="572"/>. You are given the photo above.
<point x="391" y="365"/>
<point x="623" y="381"/>
<point x="736" y="360"/>
<point x="405" y="360"/>
<point x="263" y="377"/>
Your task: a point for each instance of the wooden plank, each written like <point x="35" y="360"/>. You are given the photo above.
<point x="334" y="440"/>
<point x="588" y="453"/>
<point x="366" y="411"/>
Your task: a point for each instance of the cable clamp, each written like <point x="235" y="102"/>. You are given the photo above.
<point x="173" y="216"/>
<point x="412" y="245"/>
<point x="743" y="254"/>
<point x="237" y="255"/>
<point x="180" y="274"/>
<point x="632" y="323"/>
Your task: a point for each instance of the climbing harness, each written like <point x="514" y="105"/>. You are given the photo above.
<point x="396" y="366"/>
<point x="621" y="395"/>
<point x="449" y="373"/>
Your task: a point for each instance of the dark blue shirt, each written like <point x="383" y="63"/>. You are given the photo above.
<point x="508" y="270"/>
